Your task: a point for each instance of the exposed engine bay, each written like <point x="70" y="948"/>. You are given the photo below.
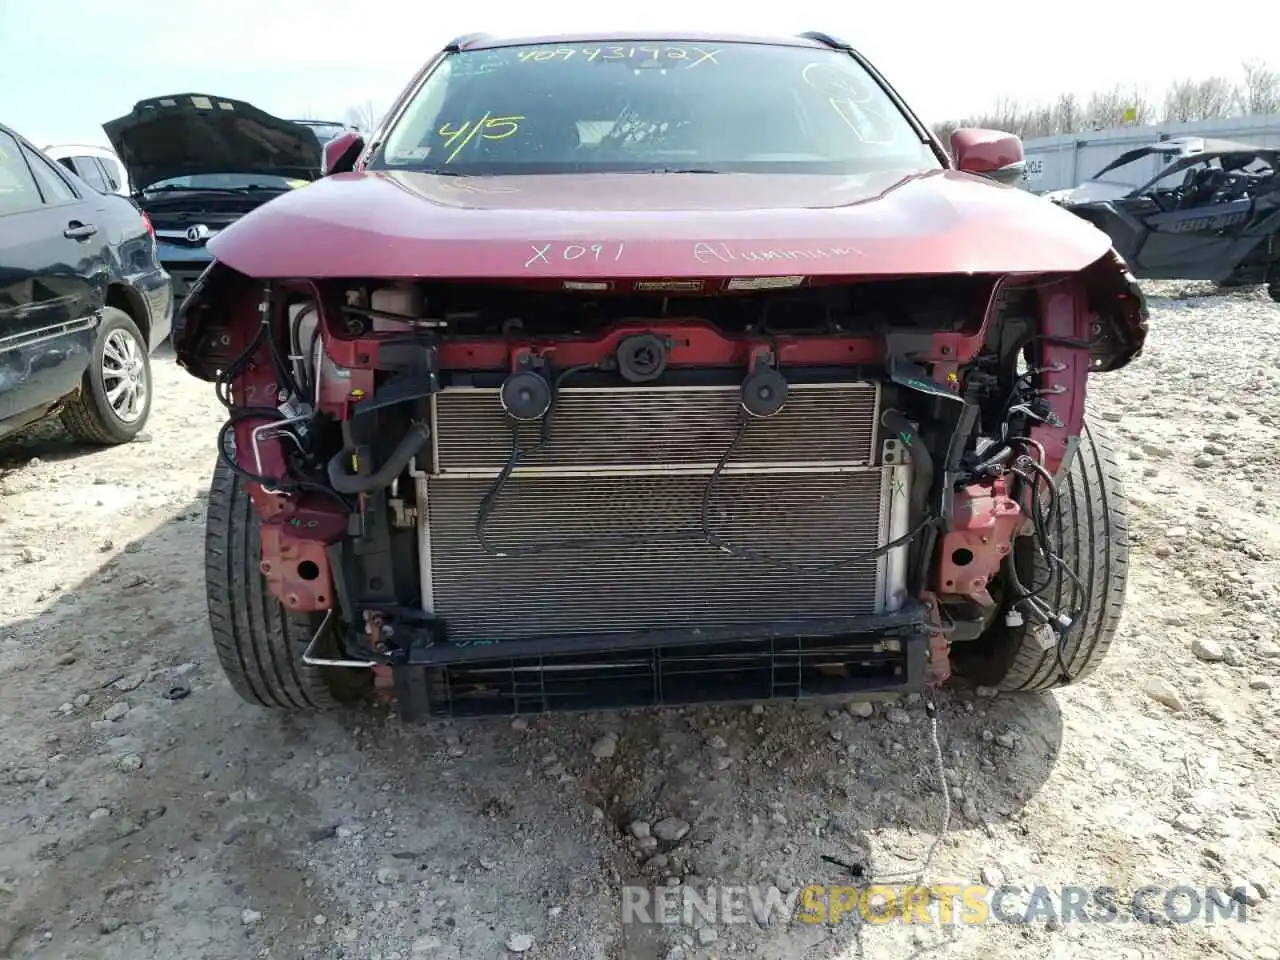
<point x="580" y="495"/>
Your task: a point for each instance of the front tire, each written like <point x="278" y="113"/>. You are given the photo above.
<point x="1089" y="525"/>
<point x="114" y="401"/>
<point x="260" y="643"/>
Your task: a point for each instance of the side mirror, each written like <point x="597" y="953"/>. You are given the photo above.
<point x="990" y="153"/>
<point x="341" y="153"/>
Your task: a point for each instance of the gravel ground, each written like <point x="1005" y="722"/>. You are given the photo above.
<point x="136" y="826"/>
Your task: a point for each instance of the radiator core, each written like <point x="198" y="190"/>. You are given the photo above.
<point x="604" y="524"/>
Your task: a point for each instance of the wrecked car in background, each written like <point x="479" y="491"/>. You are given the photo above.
<point x="627" y="370"/>
<point x="198" y="163"/>
<point x="1212" y="212"/>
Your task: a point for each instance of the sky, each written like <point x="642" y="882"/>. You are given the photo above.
<point x="69" y="65"/>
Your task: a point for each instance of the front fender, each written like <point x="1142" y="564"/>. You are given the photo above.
<point x="1120" y="308"/>
<point x="214" y="321"/>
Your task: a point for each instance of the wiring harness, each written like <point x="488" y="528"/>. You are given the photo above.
<point x="238" y="415"/>
<point x="1037" y="496"/>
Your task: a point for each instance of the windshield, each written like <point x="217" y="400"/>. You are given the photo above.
<point x="225" y="181"/>
<point x="661" y="107"/>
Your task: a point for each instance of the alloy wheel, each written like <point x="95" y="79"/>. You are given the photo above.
<point x="124" y="375"/>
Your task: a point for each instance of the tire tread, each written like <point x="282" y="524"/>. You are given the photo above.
<point x="259" y="644"/>
<point x="1092" y="531"/>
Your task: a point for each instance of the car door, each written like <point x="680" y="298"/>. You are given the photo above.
<point x="1199" y="243"/>
<point x="89" y="170"/>
<point x="114" y="175"/>
<point x="53" y="280"/>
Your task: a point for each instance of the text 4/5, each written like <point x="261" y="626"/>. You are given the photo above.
<point x="569" y="252"/>
<point x="494" y="128"/>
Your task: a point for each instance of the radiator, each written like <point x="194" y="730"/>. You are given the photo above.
<point x="603" y="525"/>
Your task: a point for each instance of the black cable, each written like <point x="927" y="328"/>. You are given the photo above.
<point x="1038" y="514"/>
<point x="488" y="503"/>
<point x="283" y="369"/>
<point x="1067" y="676"/>
<point x="1023" y="379"/>
<point x="1057" y="569"/>
<point x="307" y="352"/>
<point x="222" y="382"/>
<point x="719" y="543"/>
<point x="1035" y="512"/>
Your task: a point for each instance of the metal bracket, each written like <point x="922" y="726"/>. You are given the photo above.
<point x="309" y="657"/>
<point x="1068" y="456"/>
<point x="259" y="434"/>
<point x="894" y="453"/>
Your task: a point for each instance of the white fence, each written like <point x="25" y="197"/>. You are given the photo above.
<point x="1055" y="163"/>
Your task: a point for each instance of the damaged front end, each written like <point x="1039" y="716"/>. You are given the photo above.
<point x="510" y="496"/>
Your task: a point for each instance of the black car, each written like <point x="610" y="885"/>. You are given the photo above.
<point x="83" y="300"/>
<point x="1210" y="212"/>
<point x="199" y="162"/>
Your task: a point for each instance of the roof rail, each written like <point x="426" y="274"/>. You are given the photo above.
<point x="462" y="42"/>
<point x="826" y="39"/>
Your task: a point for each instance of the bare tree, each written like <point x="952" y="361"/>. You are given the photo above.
<point x="1208" y="99"/>
<point x="364" y="116"/>
<point x="1116" y="107"/>
<point x="1111" y="108"/>
<point x="1067" y="115"/>
<point x="944" y="128"/>
<point x="1259" y="91"/>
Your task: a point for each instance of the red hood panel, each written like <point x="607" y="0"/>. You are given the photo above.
<point x="655" y="225"/>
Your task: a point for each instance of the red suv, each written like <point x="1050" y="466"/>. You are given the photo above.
<point x="636" y="369"/>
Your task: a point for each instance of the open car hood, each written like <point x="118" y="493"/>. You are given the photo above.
<point x="188" y="134"/>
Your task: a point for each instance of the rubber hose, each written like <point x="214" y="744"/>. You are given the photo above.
<point x="409" y="446"/>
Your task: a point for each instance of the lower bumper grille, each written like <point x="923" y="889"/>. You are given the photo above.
<point x="788" y="668"/>
<point x="604" y="528"/>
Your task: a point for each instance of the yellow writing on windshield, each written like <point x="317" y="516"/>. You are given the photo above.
<point x="487" y="127"/>
<point x="690" y="56"/>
